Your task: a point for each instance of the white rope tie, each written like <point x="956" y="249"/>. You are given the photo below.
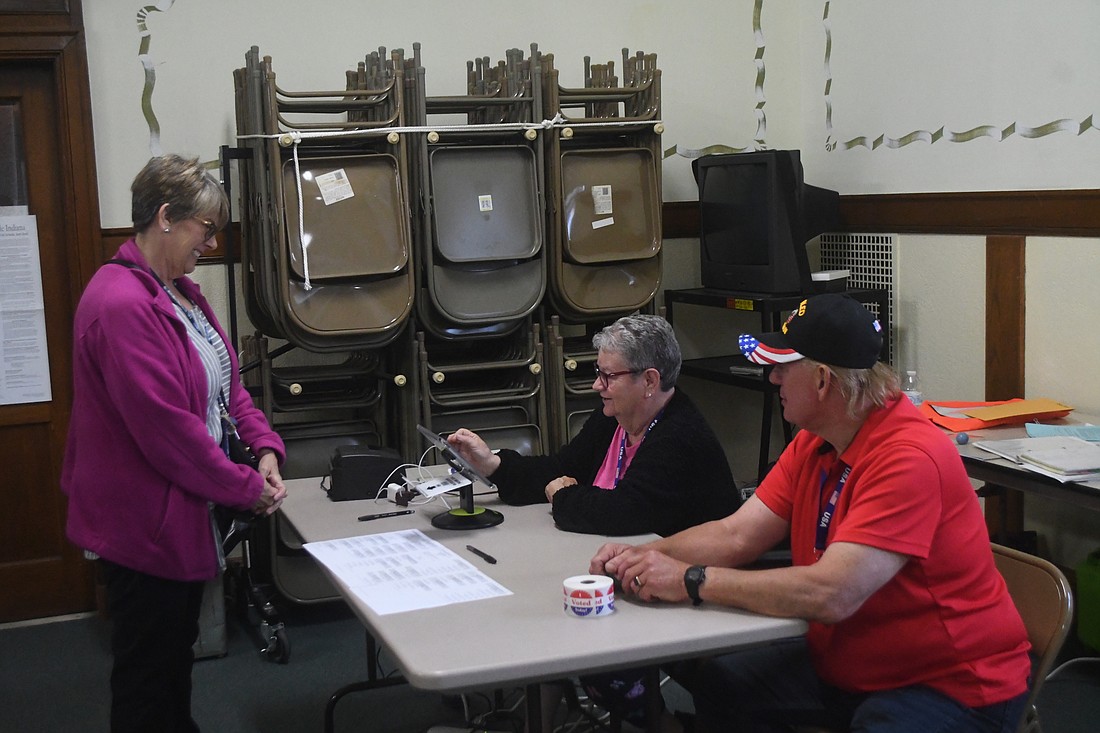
<point x="301" y="214"/>
<point x="558" y="121"/>
<point x="296" y="137"/>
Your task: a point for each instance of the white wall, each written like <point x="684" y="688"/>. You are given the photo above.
<point x="1019" y="78"/>
<point x="941" y="314"/>
<point x="1062" y="354"/>
<point x="940" y="95"/>
<point x="976" y="95"/>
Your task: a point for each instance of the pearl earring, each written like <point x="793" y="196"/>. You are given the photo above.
<point x="167" y="229"/>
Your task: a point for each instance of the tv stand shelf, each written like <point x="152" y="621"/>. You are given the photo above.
<point x="773" y="309"/>
<point x="726" y="369"/>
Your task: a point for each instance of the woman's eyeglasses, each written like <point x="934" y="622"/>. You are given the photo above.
<point x="211" y="227"/>
<point x="606" y="377"/>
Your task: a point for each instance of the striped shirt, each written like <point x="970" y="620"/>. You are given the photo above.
<point x="215" y="360"/>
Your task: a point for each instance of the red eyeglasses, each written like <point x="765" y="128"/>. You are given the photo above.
<point x="606" y="377"/>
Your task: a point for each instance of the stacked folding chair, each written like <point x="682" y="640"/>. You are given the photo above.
<point x="443" y="243"/>
<point x="569" y="375"/>
<point x="479" y="241"/>
<point x="327" y="253"/>
<point x="478" y="213"/>
<point x="604" y="189"/>
<point x="328" y="266"/>
<point x="327" y="257"/>
<point x="603" y="166"/>
<point x="495" y="389"/>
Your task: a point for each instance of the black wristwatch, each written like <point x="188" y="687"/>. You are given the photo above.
<point x="694" y="577"/>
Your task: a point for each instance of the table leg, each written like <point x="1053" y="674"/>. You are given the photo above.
<point x="373" y="682"/>
<point x="533" y="707"/>
<point x="765" y="433"/>
<point x="330" y="707"/>
<point x="654" y="706"/>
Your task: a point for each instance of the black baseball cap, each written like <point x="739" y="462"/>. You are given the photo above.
<point x="831" y="328"/>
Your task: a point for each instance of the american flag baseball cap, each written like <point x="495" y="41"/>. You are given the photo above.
<point x="832" y="328"/>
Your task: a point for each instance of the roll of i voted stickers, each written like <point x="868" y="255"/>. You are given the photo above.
<point x="588" y="596"/>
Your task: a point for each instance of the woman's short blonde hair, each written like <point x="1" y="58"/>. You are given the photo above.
<point x="188" y="189"/>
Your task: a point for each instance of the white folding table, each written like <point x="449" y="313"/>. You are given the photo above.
<point x="526" y="637"/>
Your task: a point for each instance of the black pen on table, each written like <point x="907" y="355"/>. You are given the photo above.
<point x="383" y="515"/>
<point x="483" y="555"/>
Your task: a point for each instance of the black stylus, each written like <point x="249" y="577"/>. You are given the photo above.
<point x="383" y="515"/>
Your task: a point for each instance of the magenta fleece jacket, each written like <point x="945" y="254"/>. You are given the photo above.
<point x="139" y="465"/>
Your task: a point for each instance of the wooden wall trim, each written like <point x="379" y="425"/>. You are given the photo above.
<point x="1005" y="306"/>
<point x="1074" y="213"/>
<point x="680" y="220"/>
<point x="1005" y="312"/>
<point x="1070" y="213"/>
<point x="113" y="238"/>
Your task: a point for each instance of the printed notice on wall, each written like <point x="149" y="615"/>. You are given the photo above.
<point x="24" y="359"/>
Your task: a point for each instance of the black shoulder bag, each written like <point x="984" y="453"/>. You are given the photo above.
<point x="237" y="450"/>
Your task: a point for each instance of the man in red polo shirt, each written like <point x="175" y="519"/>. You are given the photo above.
<point x="911" y="628"/>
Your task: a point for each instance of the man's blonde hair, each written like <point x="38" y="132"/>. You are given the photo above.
<point x="865" y="389"/>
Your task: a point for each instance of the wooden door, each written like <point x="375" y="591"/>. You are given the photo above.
<point x="47" y="166"/>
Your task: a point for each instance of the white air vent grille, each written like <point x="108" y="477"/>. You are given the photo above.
<point x="872" y="261"/>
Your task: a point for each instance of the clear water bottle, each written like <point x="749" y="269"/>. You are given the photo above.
<point x="911" y="387"/>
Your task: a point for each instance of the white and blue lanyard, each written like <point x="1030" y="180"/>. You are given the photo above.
<point x="204" y="330"/>
<point x="622" y="449"/>
<point x="828" y="510"/>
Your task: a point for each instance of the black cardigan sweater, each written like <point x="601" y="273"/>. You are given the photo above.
<point x="678" y="478"/>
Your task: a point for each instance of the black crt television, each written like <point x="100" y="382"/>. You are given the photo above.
<point x="756" y="216"/>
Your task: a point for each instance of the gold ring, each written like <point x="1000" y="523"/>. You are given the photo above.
<point x="638" y="582"/>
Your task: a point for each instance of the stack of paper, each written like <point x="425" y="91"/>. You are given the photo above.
<point x="1084" y="432"/>
<point x="1061" y="457"/>
<point x="1013" y="448"/>
<point x="1076" y="458"/>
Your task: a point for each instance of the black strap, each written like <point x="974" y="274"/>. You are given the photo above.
<point x="139" y="268"/>
<point x="127" y="263"/>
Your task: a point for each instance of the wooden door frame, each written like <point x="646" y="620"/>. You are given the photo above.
<point x="58" y="37"/>
<point x="54" y="40"/>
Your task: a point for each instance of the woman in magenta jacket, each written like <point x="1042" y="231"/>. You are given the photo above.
<point x="146" y="457"/>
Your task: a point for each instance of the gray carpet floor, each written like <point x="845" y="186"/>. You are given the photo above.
<point x="54" y="677"/>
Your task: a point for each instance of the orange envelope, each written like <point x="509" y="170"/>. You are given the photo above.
<point x="1025" y="409"/>
<point x="1016" y="411"/>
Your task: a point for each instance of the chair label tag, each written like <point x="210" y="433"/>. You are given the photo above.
<point x="334" y="186"/>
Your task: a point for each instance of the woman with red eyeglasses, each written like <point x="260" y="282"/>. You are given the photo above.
<point x="646" y="462"/>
